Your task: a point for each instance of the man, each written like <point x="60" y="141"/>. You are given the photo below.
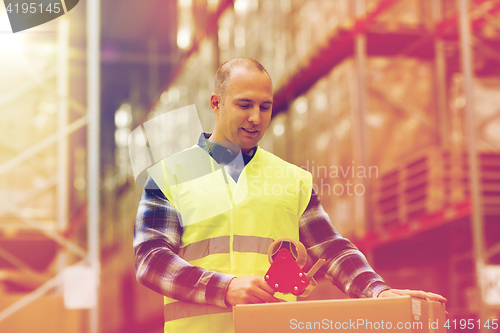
<point x="202" y="234"/>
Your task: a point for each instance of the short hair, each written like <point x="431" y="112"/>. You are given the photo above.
<point x="223" y="74"/>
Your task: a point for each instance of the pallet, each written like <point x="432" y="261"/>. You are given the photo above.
<point x="437" y="164"/>
<point x="429" y="180"/>
<point x="425" y="206"/>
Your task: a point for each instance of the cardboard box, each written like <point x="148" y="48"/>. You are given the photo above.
<point x="402" y="314"/>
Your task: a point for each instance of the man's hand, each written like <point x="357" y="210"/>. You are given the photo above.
<point x="248" y="290"/>
<point x="413" y="293"/>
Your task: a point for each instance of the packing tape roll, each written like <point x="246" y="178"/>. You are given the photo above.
<point x="296" y="248"/>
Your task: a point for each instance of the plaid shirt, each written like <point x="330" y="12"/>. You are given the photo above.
<point x="157" y="238"/>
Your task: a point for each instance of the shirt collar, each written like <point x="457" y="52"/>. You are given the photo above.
<point x="221" y="154"/>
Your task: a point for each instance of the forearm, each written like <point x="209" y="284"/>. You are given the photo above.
<point x="346" y="267"/>
<point x="351" y="273"/>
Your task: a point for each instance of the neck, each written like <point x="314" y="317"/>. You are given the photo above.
<point x="224" y="143"/>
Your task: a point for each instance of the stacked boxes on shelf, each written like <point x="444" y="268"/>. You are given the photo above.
<point x="490" y="182"/>
<point x="430" y="180"/>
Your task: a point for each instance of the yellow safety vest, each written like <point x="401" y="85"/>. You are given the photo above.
<point x="228" y="226"/>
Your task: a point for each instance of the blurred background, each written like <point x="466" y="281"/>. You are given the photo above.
<point x="398" y="91"/>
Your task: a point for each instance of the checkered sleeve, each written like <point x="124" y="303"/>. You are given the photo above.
<point x="346" y="267"/>
<point x="158" y="266"/>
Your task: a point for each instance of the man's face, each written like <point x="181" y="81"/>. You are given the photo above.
<point x="246" y="112"/>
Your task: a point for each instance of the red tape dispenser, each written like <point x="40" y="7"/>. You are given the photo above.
<point x="287" y="257"/>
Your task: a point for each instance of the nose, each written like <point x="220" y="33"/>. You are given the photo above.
<point x="254" y="116"/>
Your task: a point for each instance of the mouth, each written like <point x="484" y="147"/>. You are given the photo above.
<point x="250" y="131"/>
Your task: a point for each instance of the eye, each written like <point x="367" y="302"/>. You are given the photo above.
<point x="265" y="108"/>
<point x="245" y="106"/>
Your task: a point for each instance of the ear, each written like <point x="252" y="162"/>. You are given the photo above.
<point x="215" y="102"/>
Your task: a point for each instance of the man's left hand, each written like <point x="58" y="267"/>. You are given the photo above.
<point x="413" y="293"/>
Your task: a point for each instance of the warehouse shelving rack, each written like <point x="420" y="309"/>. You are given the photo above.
<point x="56" y="236"/>
<point x="426" y="44"/>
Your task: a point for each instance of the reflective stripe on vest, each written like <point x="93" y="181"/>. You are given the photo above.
<point x="179" y="310"/>
<point x="220" y="244"/>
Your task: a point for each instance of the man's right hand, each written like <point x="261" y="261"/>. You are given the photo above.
<point x="248" y="290"/>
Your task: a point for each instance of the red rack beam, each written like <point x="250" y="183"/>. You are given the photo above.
<point x="411" y="227"/>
